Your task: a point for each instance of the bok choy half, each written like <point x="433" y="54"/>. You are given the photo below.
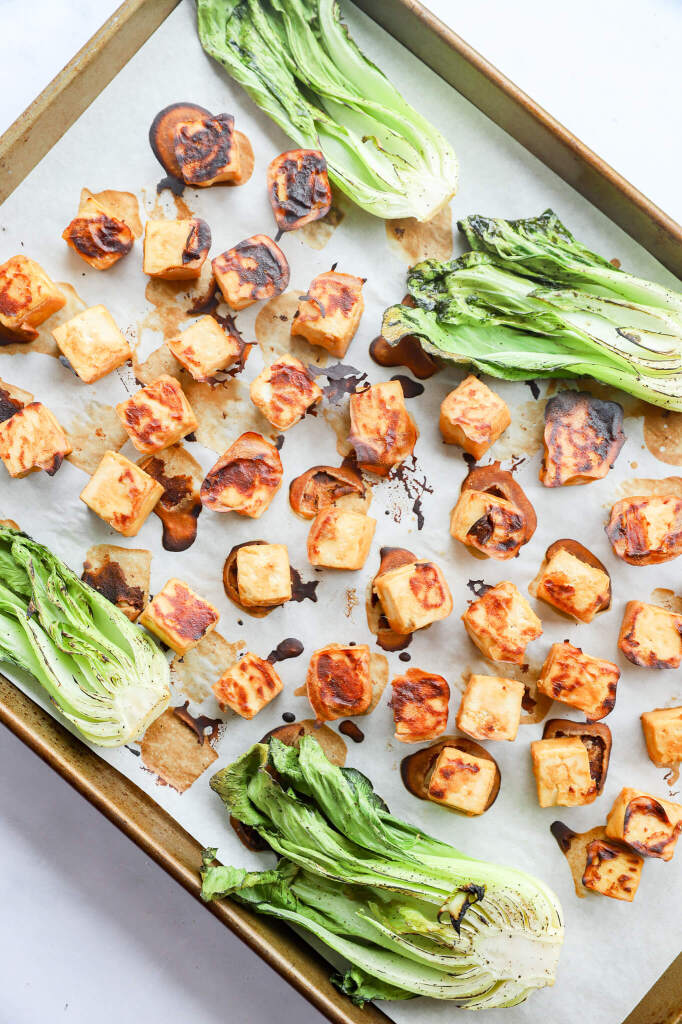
<point x="411" y="914"/>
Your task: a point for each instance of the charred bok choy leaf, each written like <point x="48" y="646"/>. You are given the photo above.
<point x="104" y="674"/>
<point x="299" y="64"/>
<point x="411" y="914"/>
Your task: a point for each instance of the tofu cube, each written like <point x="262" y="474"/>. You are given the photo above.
<point x="501" y="623"/>
<point x="99" y="233"/>
<point x="205" y="347"/>
<point x="651" y="636"/>
<point x="663" y="735"/>
<point x="339" y="681"/>
<point x="329" y="314"/>
<point x="206" y="150"/>
<point x="121" y="575"/>
<point x="176" y="250"/>
<point x="248" y="686"/>
<point x="381" y="429"/>
<point x="340" y="538"/>
<point x="157" y="416"/>
<point x="121" y="493"/>
<point x="572" y="585"/>
<point x="580" y="680"/>
<point x="462" y="781"/>
<point x="284" y="391"/>
<point x="27" y="298"/>
<point x="254" y="269"/>
<point x="179" y="617"/>
<point x="649" y="825"/>
<point x="491" y="708"/>
<point x="646" y="530"/>
<point x="488" y="523"/>
<point x="32" y="439"/>
<point x="263" y="575"/>
<point x="612" y="869"/>
<point x="12" y="399"/>
<point x="245" y="479"/>
<point x="473" y="417"/>
<point x="562" y="772"/>
<point x="420" y="706"/>
<point x="413" y="596"/>
<point x="92" y="343"/>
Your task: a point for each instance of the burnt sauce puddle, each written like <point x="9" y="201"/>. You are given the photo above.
<point x="178" y="508"/>
<point x="198" y="723"/>
<point x="288" y="717"/>
<point x="411" y="388"/>
<point x="478" y="587"/>
<point x="303" y="590"/>
<point x="343" y="379"/>
<point x="408" y="353"/>
<point x="414" y="487"/>
<point x="353" y="731"/>
<point x="286" y="649"/>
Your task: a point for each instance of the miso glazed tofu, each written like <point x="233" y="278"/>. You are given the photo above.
<point x="247" y="686"/>
<point x="27" y="298"/>
<point x="329" y="313"/>
<point x="32" y="439"/>
<point x="339" y="681"/>
<point x="381" y="429"/>
<point x="473" y="417"/>
<point x="413" y="596"/>
<point x="573" y="580"/>
<point x="562" y="772"/>
<point x="490" y="524"/>
<point x="92" y="343"/>
<point x="205" y="347"/>
<point x="594" y="736"/>
<point x="263" y="575"/>
<point x="420" y="706"/>
<point x="649" y="825"/>
<point x="157" y="416"/>
<point x="252" y="270"/>
<point x="340" y="538"/>
<point x="206" y="150"/>
<point x="662" y="730"/>
<point x="462" y="781"/>
<point x="651" y="636"/>
<point x="100" y="234"/>
<point x="583" y="437"/>
<point x="580" y="680"/>
<point x="121" y="493"/>
<point x="501" y="623"/>
<point x="612" y="869"/>
<point x="176" y="250"/>
<point x="245" y="478"/>
<point x="491" y="708"/>
<point x="646" y="530"/>
<point x="179" y="617"/>
<point x="298" y="188"/>
<point x="284" y="391"/>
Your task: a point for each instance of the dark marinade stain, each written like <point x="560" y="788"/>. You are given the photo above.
<point x="479" y="587"/>
<point x="351" y="730"/>
<point x="404" y="656"/>
<point x="198" y="723"/>
<point x="288" y="717"/>
<point x="109" y="581"/>
<point x="408" y="353"/>
<point x="411" y="388"/>
<point x="534" y="388"/>
<point x="343" y="379"/>
<point x="8" y="405"/>
<point x="300" y="590"/>
<point x="279" y="442"/>
<point x="285" y="649"/>
<point x="176" y="185"/>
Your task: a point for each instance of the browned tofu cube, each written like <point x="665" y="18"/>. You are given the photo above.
<point x="27" y="298"/>
<point x="501" y="623"/>
<point x="32" y="439"/>
<point x="253" y="270"/>
<point x="381" y="429"/>
<point x="205" y="347"/>
<point x="489" y="523"/>
<point x="284" y="391"/>
<point x="562" y="772"/>
<point x="247" y="686"/>
<point x="329" y="313"/>
<point x="420" y="706"/>
<point x="575" y="585"/>
<point x="121" y="493"/>
<point x="462" y="781"/>
<point x="646" y="530"/>
<point x="649" y="825"/>
<point x="612" y="869"/>
<point x="245" y="479"/>
<point x="663" y="735"/>
<point x="651" y="636"/>
<point x="473" y="417"/>
<point x="339" y="681"/>
<point x="121" y="575"/>
<point x="340" y="538"/>
<point x="157" y="416"/>
<point x="176" y="250"/>
<point x="92" y="343"/>
<point x="179" y="617"/>
<point x="206" y="150"/>
<point x="491" y="708"/>
<point x="12" y="399"/>
<point x="413" y="596"/>
<point x="582" y="439"/>
<point x="99" y="238"/>
<point x="263" y="575"/>
<point x="580" y="680"/>
<point x="298" y="188"/>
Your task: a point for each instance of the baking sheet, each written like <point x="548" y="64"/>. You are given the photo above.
<point x="107" y="148"/>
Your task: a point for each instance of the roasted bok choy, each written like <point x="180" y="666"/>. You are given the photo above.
<point x="411" y="915"/>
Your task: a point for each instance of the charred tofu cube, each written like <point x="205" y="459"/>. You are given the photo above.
<point x="329" y="313"/>
<point x="594" y="736"/>
<point x="651" y="636"/>
<point x="245" y="479"/>
<point x="562" y="772"/>
<point x="284" y="392"/>
<point x="121" y="493"/>
<point x="413" y="596"/>
<point x="580" y="680"/>
<point x="92" y="343"/>
<point x="646" y="530"/>
<point x="247" y="686"/>
<point x="99" y="234"/>
<point x="32" y="439"/>
<point x="420" y="706"/>
<point x="340" y="538"/>
<point x="573" y="580"/>
<point x="612" y="869"/>
<point x="253" y="270"/>
<point x="491" y="708"/>
<point x="121" y="575"/>
<point x="176" y="250"/>
<point x="27" y="298"/>
<point x="473" y="417"/>
<point x="490" y="524"/>
<point x="381" y="429"/>
<point x="205" y="347"/>
<point x="650" y="826"/>
<point x="179" y="617"/>
<point x="206" y="150"/>
<point x="157" y="416"/>
<point x="12" y="399"/>
<point x="583" y="437"/>
<point x="339" y="681"/>
<point x="298" y="187"/>
<point x="663" y="735"/>
<point x="263" y="575"/>
<point x="462" y="781"/>
<point x="501" y="623"/>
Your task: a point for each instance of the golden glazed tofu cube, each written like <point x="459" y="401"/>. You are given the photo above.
<point x="329" y="314"/>
<point x="501" y="623"/>
<point x="254" y="269"/>
<point x="284" y="391"/>
<point x="612" y="869"/>
<point x="175" y="250"/>
<point x="381" y="429"/>
<point x="27" y="298"/>
<point x="491" y="708"/>
<point x="420" y="706"/>
<point x="247" y="686"/>
<point x="462" y="781"/>
<point x="263" y="575"/>
<point x="121" y="493"/>
<point x="571" y="583"/>
<point x="245" y="479"/>
<point x="490" y="524"/>
<point x="206" y="150"/>
<point x="340" y="538"/>
<point x="580" y="680"/>
<point x="205" y="347"/>
<point x="651" y="636"/>
<point x="663" y="735"/>
<point x="179" y="617"/>
<point x="157" y="416"/>
<point x="562" y="772"/>
<point x="646" y="530"/>
<point x="473" y="417"/>
<point x="32" y="439"/>
<point x="650" y="826"/>
<point x="413" y="596"/>
<point x="92" y="343"/>
<point x="99" y="238"/>
<point x="339" y="681"/>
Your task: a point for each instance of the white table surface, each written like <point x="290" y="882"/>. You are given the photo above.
<point x="89" y="925"/>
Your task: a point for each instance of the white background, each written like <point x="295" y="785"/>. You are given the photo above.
<point x="89" y="926"/>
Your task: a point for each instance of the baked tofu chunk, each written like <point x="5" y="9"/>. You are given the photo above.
<point x="381" y="429"/>
<point x="121" y="575"/>
<point x="340" y="538"/>
<point x="206" y="150"/>
<point x="650" y="826"/>
<point x="413" y="596"/>
<point x="339" y="681"/>
<point x="573" y="580"/>
<point x="205" y="347"/>
<point x="245" y="479"/>
<point x="651" y="636"/>
<point x="179" y="617"/>
<point x="12" y="399"/>
<point x="121" y="493"/>
<point x="157" y="416"/>
<point x="473" y="417"/>
<point x="254" y="269"/>
<point x="612" y="869"/>
<point x="420" y="706"/>
<point x="594" y="736"/>
<point x="175" y="250"/>
<point x="662" y="730"/>
<point x="263" y="575"/>
<point x="27" y="298"/>
<point x="583" y="437"/>
<point x="489" y="524"/>
<point x="501" y="623"/>
<point x="329" y="313"/>
<point x="646" y="530"/>
<point x="247" y="686"/>
<point x="462" y="781"/>
<point x="562" y="772"/>
<point x="298" y="188"/>
<point x="491" y="708"/>
<point x="92" y="343"/>
<point x="580" y="680"/>
<point x="284" y="391"/>
<point x="98" y="234"/>
<point x="32" y="439"/>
